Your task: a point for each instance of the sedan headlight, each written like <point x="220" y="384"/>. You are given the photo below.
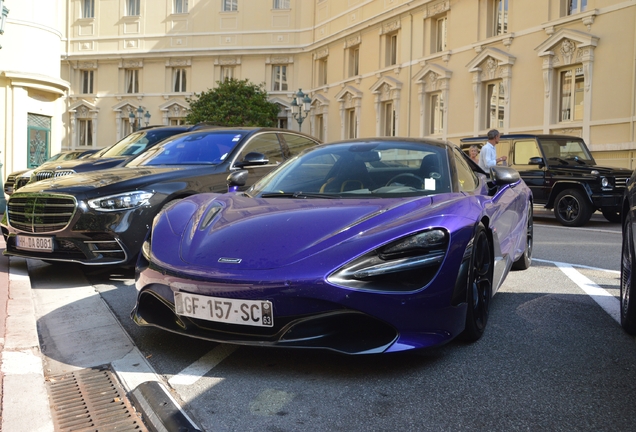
<point x="407" y="264"/>
<point x="124" y="201"/>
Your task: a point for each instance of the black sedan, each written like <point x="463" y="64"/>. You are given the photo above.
<point x="102" y="218"/>
<point x="115" y="155"/>
<point x="628" y="258"/>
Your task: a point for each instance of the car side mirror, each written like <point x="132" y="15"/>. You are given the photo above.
<point x="536" y="160"/>
<point x="236" y="180"/>
<point x="252" y="159"/>
<point x="501" y="176"/>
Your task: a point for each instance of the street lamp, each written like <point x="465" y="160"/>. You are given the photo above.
<point x="135" y="121"/>
<point x="3" y="18"/>
<point x="301" y="103"/>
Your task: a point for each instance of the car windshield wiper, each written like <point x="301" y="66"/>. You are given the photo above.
<point x="577" y="159"/>
<point x="297" y="194"/>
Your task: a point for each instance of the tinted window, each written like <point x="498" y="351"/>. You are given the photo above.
<point x="294" y="144"/>
<point x="202" y="148"/>
<point x="267" y="144"/>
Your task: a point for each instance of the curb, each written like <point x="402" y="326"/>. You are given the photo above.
<point x="25" y="400"/>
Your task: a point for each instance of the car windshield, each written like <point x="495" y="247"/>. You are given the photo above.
<point x="374" y="168"/>
<point x="130" y="145"/>
<point x="201" y="148"/>
<point x="566" y="149"/>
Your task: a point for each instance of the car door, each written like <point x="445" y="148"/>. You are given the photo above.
<point x="533" y="175"/>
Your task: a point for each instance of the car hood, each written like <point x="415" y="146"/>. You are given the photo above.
<point x="83" y="165"/>
<point x="585" y="168"/>
<point x="81" y="183"/>
<point x="270" y="233"/>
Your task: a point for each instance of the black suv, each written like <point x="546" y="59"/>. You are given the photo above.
<point x="563" y="175"/>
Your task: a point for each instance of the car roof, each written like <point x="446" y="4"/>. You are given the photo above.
<point x="517" y="136"/>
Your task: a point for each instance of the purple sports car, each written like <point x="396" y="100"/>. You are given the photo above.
<point x="362" y="246"/>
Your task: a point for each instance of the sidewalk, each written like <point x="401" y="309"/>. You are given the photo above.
<point x="62" y="326"/>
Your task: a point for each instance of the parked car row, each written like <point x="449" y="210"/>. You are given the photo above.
<point x="263" y="236"/>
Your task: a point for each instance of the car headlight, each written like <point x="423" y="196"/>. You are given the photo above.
<point x="407" y="264"/>
<point x="124" y="201"/>
<point x="605" y="182"/>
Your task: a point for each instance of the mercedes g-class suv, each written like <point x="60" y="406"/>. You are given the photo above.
<point x="563" y="175"/>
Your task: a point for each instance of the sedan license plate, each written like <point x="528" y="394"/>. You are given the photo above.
<point x="43" y="244"/>
<point x="231" y="311"/>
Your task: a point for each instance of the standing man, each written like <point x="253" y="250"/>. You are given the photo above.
<point x="488" y="155"/>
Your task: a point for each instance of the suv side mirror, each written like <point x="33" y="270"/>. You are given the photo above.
<point x="536" y="160"/>
<point x="252" y="159"/>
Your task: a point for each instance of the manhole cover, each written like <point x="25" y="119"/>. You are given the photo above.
<point x="91" y="400"/>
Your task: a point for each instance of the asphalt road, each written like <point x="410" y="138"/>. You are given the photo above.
<point x="553" y="358"/>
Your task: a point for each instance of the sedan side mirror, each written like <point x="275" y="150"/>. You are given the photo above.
<point x="252" y="159"/>
<point x="236" y="180"/>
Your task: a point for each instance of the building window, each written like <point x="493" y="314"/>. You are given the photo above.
<point x="133" y="8"/>
<point x="440" y="34"/>
<point x="179" y="80"/>
<point x="436" y="110"/>
<point x="388" y="119"/>
<point x="88" y="9"/>
<point x="575" y="6"/>
<point x="227" y="73"/>
<point x="321" y="65"/>
<point x="571" y="90"/>
<point x="501" y="17"/>
<point x="495" y="105"/>
<point x="177" y="121"/>
<point x="391" y="49"/>
<point x="281" y="4"/>
<point x="354" y="61"/>
<point x="180" y="6"/>
<point x="279" y="78"/>
<point x="320" y="127"/>
<point x="350" y="124"/>
<point x="85" y="135"/>
<point x="132" y="80"/>
<point x="230" y="5"/>
<point x="87" y="81"/>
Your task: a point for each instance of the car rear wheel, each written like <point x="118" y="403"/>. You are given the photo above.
<point x="628" y="306"/>
<point x="525" y="259"/>
<point x="611" y="215"/>
<point x="479" y="286"/>
<point x="572" y="208"/>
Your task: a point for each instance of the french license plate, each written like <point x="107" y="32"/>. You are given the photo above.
<point x="43" y="244"/>
<point x="232" y="311"/>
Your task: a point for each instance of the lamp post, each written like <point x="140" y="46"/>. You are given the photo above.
<point x="4" y="11"/>
<point x="135" y="121"/>
<point x="301" y="105"/>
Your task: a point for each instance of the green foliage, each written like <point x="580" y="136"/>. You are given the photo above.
<point x="233" y="103"/>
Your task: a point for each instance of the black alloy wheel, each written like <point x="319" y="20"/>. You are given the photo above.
<point x="572" y="208"/>
<point x="480" y="279"/>
<point x="628" y="306"/>
<point x="524" y="261"/>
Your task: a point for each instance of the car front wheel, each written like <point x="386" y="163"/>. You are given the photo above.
<point x="628" y="305"/>
<point x="479" y="286"/>
<point x="572" y="208"/>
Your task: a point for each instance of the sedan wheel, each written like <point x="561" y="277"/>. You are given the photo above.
<point x="628" y="307"/>
<point x="525" y="260"/>
<point x="479" y="286"/>
<point x="572" y="208"/>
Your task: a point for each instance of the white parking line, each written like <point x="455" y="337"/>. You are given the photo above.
<point x="198" y="369"/>
<point x="602" y="297"/>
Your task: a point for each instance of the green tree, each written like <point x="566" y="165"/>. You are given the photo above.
<point x="233" y="103"/>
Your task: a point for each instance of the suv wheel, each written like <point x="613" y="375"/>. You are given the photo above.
<point x="572" y="208"/>
<point x="612" y="215"/>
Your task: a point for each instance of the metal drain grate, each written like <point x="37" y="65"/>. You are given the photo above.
<point x="91" y="400"/>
